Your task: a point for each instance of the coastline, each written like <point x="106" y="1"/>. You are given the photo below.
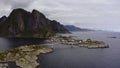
<point x="28" y="56"/>
<point x="24" y="56"/>
<point x="68" y="40"/>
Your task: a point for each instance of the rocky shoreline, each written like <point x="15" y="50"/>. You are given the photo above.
<point x="27" y="56"/>
<point x="24" y="56"/>
<point x="88" y="43"/>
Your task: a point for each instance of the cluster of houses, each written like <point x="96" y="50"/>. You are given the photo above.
<point x="81" y="43"/>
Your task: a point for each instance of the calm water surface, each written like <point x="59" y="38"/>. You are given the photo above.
<point x="10" y="43"/>
<point x="66" y="57"/>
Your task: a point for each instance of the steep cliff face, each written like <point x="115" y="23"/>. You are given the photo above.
<point x="57" y="27"/>
<point x="21" y="23"/>
<point x="17" y="20"/>
<point x="2" y="19"/>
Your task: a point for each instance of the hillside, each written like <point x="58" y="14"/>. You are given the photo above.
<point x="21" y="23"/>
<point x="74" y="28"/>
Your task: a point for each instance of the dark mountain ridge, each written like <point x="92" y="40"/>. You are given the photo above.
<point x="21" y="23"/>
<point x="2" y="19"/>
<point x="74" y="28"/>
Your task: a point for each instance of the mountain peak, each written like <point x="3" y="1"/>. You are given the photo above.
<point x="36" y="12"/>
<point x="18" y="10"/>
<point x="2" y="19"/>
<point x="22" y="23"/>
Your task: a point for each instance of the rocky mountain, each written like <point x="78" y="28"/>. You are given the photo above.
<point x="74" y="28"/>
<point x="21" y="23"/>
<point x="3" y="19"/>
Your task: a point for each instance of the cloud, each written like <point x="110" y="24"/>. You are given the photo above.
<point x="97" y="14"/>
<point x="8" y="5"/>
<point x="17" y="3"/>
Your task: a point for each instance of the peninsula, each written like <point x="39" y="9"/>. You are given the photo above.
<point x="24" y="56"/>
<point x="88" y="43"/>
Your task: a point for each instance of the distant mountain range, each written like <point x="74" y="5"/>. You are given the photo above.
<point x="74" y="28"/>
<point x="21" y="23"/>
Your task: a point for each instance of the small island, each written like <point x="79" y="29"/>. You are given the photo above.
<point x="88" y="43"/>
<point x="22" y="23"/>
<point x="24" y="56"/>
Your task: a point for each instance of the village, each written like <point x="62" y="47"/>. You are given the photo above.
<point x="88" y="43"/>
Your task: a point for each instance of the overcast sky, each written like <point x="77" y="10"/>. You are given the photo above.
<point x="95" y="14"/>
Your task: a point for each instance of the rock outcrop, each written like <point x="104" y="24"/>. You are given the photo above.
<point x="24" y="56"/>
<point x="21" y="23"/>
<point x="2" y="19"/>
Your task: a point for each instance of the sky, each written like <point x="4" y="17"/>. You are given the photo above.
<point x="94" y="14"/>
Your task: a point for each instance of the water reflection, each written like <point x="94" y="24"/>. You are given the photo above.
<point x="66" y="57"/>
<point x="9" y="43"/>
<point x="4" y="44"/>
